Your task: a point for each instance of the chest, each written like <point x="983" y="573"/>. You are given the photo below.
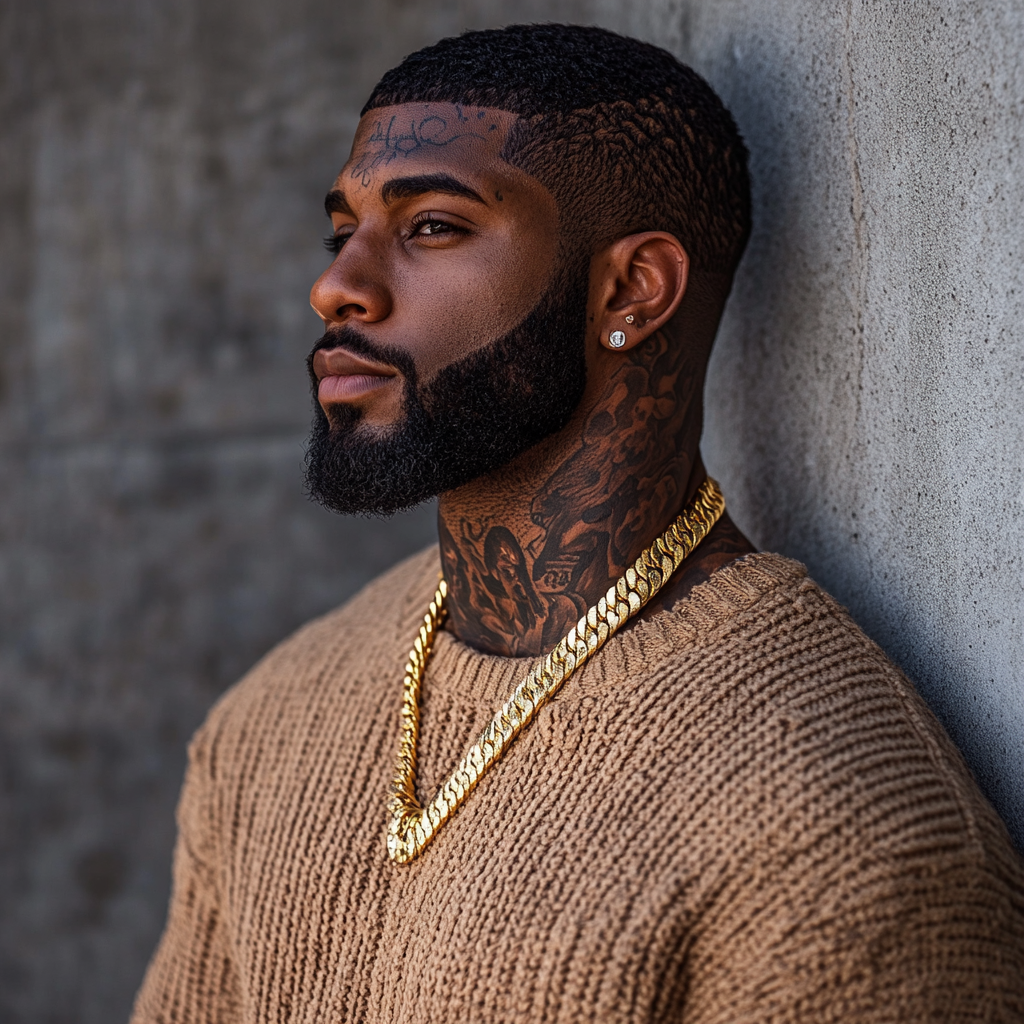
<point x="555" y="894"/>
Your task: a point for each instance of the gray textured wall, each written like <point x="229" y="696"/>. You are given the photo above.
<point x="867" y="396"/>
<point x="162" y="166"/>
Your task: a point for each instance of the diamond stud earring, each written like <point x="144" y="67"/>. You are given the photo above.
<point x="629" y="319"/>
<point x="617" y="339"/>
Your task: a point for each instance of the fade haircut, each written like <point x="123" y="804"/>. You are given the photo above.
<point x="624" y="136"/>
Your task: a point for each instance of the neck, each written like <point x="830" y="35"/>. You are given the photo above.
<point x="528" y="549"/>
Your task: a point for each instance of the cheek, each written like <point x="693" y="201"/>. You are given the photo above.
<point x="449" y="308"/>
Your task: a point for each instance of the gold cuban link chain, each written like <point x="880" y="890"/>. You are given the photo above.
<point x="411" y="826"/>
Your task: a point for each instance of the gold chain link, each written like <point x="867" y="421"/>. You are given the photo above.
<point x="411" y="826"/>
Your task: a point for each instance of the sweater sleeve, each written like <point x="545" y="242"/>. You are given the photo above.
<point x="864" y="877"/>
<point x="192" y="978"/>
<point x="896" y="941"/>
<point x="890" y="894"/>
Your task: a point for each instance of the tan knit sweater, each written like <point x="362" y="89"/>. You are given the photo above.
<point x="738" y="813"/>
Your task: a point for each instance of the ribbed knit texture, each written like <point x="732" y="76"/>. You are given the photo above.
<point x="740" y="812"/>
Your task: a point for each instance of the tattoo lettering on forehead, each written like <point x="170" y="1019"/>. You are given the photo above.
<point x="396" y="137"/>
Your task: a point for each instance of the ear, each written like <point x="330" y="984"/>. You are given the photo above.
<point x="636" y="285"/>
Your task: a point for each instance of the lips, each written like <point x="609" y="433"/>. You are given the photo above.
<point x="345" y="377"/>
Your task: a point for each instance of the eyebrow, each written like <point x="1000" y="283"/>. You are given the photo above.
<point x="421" y="184"/>
<point x="336" y="203"/>
<point x="407" y="188"/>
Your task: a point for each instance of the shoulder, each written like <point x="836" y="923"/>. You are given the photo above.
<point x="844" y="850"/>
<point x="831" y="751"/>
<point x="342" y="651"/>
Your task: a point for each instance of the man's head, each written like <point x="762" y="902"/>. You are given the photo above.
<point x="511" y="195"/>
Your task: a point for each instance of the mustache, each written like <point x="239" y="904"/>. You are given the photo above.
<point x="358" y="344"/>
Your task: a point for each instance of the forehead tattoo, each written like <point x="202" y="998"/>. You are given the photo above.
<point x="402" y="135"/>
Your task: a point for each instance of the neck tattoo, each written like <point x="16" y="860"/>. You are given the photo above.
<point x="525" y="550"/>
<point x="410" y="825"/>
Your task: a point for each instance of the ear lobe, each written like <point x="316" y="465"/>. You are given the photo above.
<point x="646" y="280"/>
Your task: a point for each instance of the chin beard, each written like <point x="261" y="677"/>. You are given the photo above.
<point x="475" y="416"/>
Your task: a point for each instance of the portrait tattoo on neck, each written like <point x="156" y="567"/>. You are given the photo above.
<point x="617" y="489"/>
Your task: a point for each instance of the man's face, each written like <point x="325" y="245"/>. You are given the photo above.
<point x="454" y="334"/>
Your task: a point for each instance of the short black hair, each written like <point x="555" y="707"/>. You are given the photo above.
<point x="625" y="136"/>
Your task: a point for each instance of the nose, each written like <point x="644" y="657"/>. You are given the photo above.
<point x="352" y="287"/>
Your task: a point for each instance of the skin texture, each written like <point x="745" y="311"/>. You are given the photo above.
<point x="438" y="273"/>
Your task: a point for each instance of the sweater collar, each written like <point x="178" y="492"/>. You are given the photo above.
<point x="465" y="674"/>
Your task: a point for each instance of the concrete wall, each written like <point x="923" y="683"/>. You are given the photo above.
<point x="867" y="396"/>
<point x="162" y="166"/>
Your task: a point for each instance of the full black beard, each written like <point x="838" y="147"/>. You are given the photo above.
<point x="475" y="416"/>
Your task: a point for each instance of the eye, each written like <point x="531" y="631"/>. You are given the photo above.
<point x="430" y="225"/>
<point x="333" y="243"/>
<point x="433" y="227"/>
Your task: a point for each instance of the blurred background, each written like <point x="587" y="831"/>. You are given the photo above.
<point x="162" y="170"/>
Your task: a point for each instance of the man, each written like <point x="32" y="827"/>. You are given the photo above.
<point x="714" y="801"/>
